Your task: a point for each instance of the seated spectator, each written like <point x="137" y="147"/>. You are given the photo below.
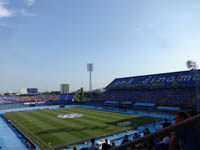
<point x="136" y="136"/>
<point x="74" y="148"/>
<point x="163" y="143"/>
<point x="150" y="143"/>
<point x="166" y="123"/>
<point x="106" y="146"/>
<point x="189" y="138"/>
<point x="113" y="144"/>
<point x="93" y="146"/>
<point x="28" y="144"/>
<point x="136" y="146"/>
<point x="125" y="140"/>
<point x="146" y="131"/>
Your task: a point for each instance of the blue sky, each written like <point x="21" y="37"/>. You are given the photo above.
<point x="44" y="43"/>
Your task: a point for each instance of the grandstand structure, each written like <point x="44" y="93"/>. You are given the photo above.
<point x="37" y="98"/>
<point x="176" y="89"/>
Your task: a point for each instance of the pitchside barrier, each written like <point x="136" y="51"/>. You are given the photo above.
<point x="163" y="132"/>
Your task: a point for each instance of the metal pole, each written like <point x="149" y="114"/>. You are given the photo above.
<point x="91" y="96"/>
<point x="90" y="82"/>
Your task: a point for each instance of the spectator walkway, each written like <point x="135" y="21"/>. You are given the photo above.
<point x="8" y="139"/>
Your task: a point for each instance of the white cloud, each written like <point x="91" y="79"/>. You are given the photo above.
<point x="25" y="13"/>
<point x="5" y="12"/>
<point x="30" y="2"/>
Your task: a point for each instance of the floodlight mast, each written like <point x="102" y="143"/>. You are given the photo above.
<point x="90" y="70"/>
<point x="196" y="73"/>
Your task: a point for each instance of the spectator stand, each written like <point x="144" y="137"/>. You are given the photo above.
<point x="126" y="104"/>
<point x="63" y="99"/>
<point x="167" y="89"/>
<point x="111" y="104"/>
<point x="2" y="100"/>
<point x="66" y="99"/>
<point x="146" y="106"/>
<point x="167" y="109"/>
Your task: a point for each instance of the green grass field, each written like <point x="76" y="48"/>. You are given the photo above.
<point x="44" y="127"/>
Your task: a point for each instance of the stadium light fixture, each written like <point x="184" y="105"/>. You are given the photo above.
<point x="191" y="64"/>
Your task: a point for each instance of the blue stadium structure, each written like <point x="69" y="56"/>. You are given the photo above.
<point x="167" y="89"/>
<point x="66" y="98"/>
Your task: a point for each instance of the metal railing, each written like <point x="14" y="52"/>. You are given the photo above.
<point x="162" y="132"/>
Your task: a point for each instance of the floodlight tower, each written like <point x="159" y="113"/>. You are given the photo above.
<point x="90" y="70"/>
<point x="196" y="73"/>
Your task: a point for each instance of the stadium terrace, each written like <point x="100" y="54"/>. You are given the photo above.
<point x="167" y="79"/>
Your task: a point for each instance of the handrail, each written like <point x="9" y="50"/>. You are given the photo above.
<point x="162" y="132"/>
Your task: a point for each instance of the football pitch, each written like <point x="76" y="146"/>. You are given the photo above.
<point x="48" y="131"/>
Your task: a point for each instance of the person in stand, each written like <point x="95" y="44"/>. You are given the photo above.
<point x="136" y="136"/>
<point x="93" y="146"/>
<point x="163" y="143"/>
<point x="147" y="132"/>
<point x="125" y="140"/>
<point x="106" y="146"/>
<point x="187" y="138"/>
<point x="150" y="143"/>
<point x="113" y="144"/>
<point x="166" y="123"/>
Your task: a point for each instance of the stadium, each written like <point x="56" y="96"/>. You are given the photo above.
<point x="128" y="106"/>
